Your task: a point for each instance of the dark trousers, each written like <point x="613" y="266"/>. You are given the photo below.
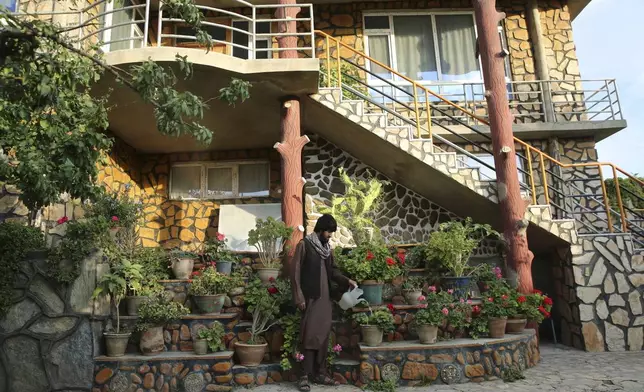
<point x="315" y="362"/>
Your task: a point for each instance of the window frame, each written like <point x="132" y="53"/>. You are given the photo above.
<point x="135" y="30"/>
<point x="203" y="178"/>
<point x="252" y="55"/>
<point x="390" y="33"/>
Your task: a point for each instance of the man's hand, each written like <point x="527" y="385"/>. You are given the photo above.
<point x="302" y="306"/>
<point x="352" y="284"/>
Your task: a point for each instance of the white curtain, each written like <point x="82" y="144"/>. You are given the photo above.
<point x="125" y="31"/>
<point x="415" y="47"/>
<point x="186" y="182"/>
<point x="253" y="180"/>
<point x="379" y="50"/>
<point x="220" y="182"/>
<point x="457" y="46"/>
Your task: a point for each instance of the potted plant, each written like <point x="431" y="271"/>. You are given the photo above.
<point x="210" y="338"/>
<point x="119" y="211"/>
<point x="497" y="308"/>
<point x="371" y="265"/>
<point x="269" y="237"/>
<point x="413" y="289"/>
<point x="373" y="325"/>
<point x="453" y="244"/>
<point x="131" y="272"/>
<point x="209" y="289"/>
<point x="114" y="285"/>
<point x="264" y="304"/>
<point x="182" y="263"/>
<point x="536" y="307"/>
<point x="215" y="250"/>
<point x="153" y="315"/>
<point x="433" y="315"/>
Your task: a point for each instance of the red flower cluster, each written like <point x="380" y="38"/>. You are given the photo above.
<point x="213" y="264"/>
<point x="476" y="310"/>
<point x="390" y="261"/>
<point x="271" y="279"/>
<point x="391" y="307"/>
<point x="547" y="301"/>
<point x="370" y="255"/>
<point x="543" y="311"/>
<point x="537" y="292"/>
<point x="272" y="290"/>
<point x="115" y="218"/>
<point x="62" y="220"/>
<point x="195" y="273"/>
<point x="521" y="299"/>
<point x="401" y="257"/>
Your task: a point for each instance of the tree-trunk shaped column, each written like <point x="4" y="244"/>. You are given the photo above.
<point x="287" y="42"/>
<point x="519" y="256"/>
<point x="290" y="148"/>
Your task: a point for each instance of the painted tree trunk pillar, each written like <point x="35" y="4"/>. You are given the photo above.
<point x="290" y="148"/>
<point x="519" y="257"/>
<point x="288" y="42"/>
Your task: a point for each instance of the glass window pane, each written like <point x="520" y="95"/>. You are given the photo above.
<point x="263" y="27"/>
<point x="253" y="180"/>
<point x="262" y="44"/>
<point x="457" y="47"/>
<point x="186" y="182"/>
<point x="220" y="183"/>
<point x="376" y="22"/>
<point x="415" y="47"/>
<point x="240" y="39"/>
<point x="379" y="50"/>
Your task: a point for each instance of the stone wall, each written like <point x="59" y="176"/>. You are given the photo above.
<point x="51" y="333"/>
<point x="610" y="287"/>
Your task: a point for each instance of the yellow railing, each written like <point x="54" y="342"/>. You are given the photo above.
<point x="331" y="42"/>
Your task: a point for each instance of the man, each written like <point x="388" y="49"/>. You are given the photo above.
<point x="312" y="270"/>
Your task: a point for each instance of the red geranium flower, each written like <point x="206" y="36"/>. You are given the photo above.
<point x="504" y="296"/>
<point x="490" y="299"/>
<point x="547" y="301"/>
<point x="521" y="299"/>
<point x="476" y="309"/>
<point x="115" y="218"/>
<point x="537" y="292"/>
<point x="390" y="261"/>
<point x="62" y="220"/>
<point x="272" y="290"/>
<point x="370" y="255"/>
<point x="401" y="257"/>
<point x="390" y="307"/>
<point x="220" y="237"/>
<point x="196" y="273"/>
<point x="271" y="279"/>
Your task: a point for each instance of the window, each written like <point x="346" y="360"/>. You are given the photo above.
<point x="217" y="33"/>
<point x="124" y="34"/>
<point x="10" y="5"/>
<point x="219" y="180"/>
<point x="487" y="174"/>
<point x="245" y="40"/>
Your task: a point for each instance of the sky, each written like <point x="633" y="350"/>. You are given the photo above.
<point x="609" y="35"/>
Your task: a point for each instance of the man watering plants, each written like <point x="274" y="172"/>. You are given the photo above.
<point x="312" y="271"/>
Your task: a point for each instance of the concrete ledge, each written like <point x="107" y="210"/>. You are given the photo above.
<point x="166" y="356"/>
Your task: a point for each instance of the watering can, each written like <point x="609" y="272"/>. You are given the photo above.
<point x="350" y="298"/>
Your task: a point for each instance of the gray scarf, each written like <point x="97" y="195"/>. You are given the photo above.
<point x="324" y="250"/>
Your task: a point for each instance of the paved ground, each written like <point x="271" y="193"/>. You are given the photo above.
<point x="560" y="369"/>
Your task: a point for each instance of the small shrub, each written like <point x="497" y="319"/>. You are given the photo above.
<point x="214" y="336"/>
<point x="512" y="374"/>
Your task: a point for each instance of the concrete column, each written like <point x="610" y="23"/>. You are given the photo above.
<point x="542" y="70"/>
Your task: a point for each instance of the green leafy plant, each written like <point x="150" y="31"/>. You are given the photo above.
<point x="159" y="311"/>
<point x="512" y="374"/>
<point x="269" y="237"/>
<point x="351" y="79"/>
<point x="454" y="242"/>
<point x="499" y="306"/>
<point x="536" y="306"/>
<point x="368" y="262"/>
<point x="15" y="241"/>
<point x="355" y="208"/>
<point x="382" y="386"/>
<point x="414" y="283"/>
<point x="479" y="326"/>
<point x="436" y="308"/>
<point x="215" y="249"/>
<point x="117" y="209"/>
<point x="382" y="319"/>
<point x="154" y="262"/>
<point x="458" y="318"/>
<point x="264" y="304"/>
<point x="214" y="335"/>
<point x="290" y="324"/>
<point x="113" y="285"/>
<point x="631" y="191"/>
<point x="131" y="272"/>
<point x="178" y="254"/>
<point x="210" y="282"/>
<point x="415" y="257"/>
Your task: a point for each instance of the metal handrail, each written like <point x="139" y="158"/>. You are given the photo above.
<point x="542" y="157"/>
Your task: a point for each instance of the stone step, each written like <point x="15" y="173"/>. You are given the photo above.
<point x="165" y="372"/>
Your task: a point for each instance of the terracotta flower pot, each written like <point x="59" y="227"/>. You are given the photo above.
<point x="265" y="274"/>
<point x="152" y="341"/>
<point x="372" y="292"/>
<point x="515" y="325"/>
<point x="209" y="304"/>
<point x="411" y="296"/>
<point x="116" y="343"/>
<point x="133" y="302"/>
<point x="497" y="326"/>
<point x="371" y="335"/>
<point x="182" y="268"/>
<point x="427" y="334"/>
<point x="250" y="354"/>
<point x="200" y="346"/>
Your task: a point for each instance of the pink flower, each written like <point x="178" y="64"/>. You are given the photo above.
<point x="490" y="299"/>
<point x="220" y="237"/>
<point x="68" y="133"/>
<point x="450" y="291"/>
<point x="62" y="220"/>
<point x="337" y="349"/>
<point x="422" y="306"/>
<point x="445" y="311"/>
<point x="115" y="218"/>
<point x="462" y="301"/>
<point x="475" y="309"/>
<point x="299" y="357"/>
<point x="432" y="289"/>
<point x="422" y="298"/>
<point x="469" y="302"/>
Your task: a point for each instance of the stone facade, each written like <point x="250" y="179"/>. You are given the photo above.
<point x="50" y="335"/>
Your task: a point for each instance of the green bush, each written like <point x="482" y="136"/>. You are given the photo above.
<point x="159" y="311"/>
<point x="154" y="262"/>
<point x="214" y="336"/>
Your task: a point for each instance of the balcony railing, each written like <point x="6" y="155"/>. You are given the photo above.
<point x="247" y="31"/>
